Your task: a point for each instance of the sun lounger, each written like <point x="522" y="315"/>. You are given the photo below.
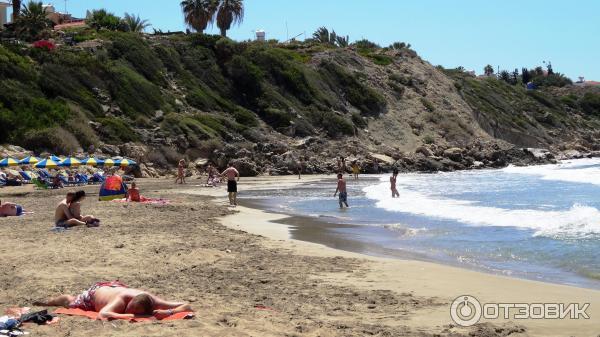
<point x="26" y="177"/>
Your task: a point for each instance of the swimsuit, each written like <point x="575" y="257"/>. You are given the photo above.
<point x="61" y="223"/>
<point x="343" y="197"/>
<point x="19" y="210"/>
<point x="85" y="300"/>
<point x="231" y="186"/>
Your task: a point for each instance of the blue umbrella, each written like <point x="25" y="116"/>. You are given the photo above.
<point x="31" y="160"/>
<point x="70" y="162"/>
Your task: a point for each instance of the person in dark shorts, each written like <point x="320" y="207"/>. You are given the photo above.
<point x="233" y="176"/>
<point x="341" y="188"/>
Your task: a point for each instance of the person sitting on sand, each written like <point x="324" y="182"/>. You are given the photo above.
<point x="75" y="208"/>
<point x="341" y="188"/>
<point x="10" y="209"/>
<point x="393" y="184"/>
<point x="117" y="301"/>
<point x="231" y="173"/>
<point x="133" y="194"/>
<point x="63" y="215"/>
<point x="56" y="182"/>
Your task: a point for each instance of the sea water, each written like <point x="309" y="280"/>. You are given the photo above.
<point x="536" y="222"/>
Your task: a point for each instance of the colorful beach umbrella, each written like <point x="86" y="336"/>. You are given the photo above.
<point x="125" y="162"/>
<point x="31" y="160"/>
<point x="109" y="162"/>
<point x="47" y="163"/>
<point x="92" y="162"/>
<point x="55" y="158"/>
<point x="70" y="162"/>
<point x="8" y="162"/>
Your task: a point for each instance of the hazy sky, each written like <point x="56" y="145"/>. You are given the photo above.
<point x="472" y="33"/>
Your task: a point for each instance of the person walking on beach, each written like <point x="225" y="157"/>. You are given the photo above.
<point x="181" y="172"/>
<point x="341" y="188"/>
<point x="232" y="174"/>
<point x="355" y="169"/>
<point x="393" y="178"/>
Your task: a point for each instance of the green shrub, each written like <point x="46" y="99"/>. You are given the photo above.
<point x="367" y="100"/>
<point x="30" y="114"/>
<point x="541" y="97"/>
<point x="54" y="140"/>
<point x="332" y="123"/>
<point x="398" y="89"/>
<point x="115" y="131"/>
<point x="427" y="104"/>
<point x="428" y="139"/>
<point x="245" y="117"/>
<point x="131" y="47"/>
<point x="380" y="59"/>
<point x="570" y="100"/>
<point x="359" y="121"/>
<point x="303" y="128"/>
<point x="590" y="103"/>
<point x="247" y="78"/>
<point x="133" y="93"/>
<point x="276" y="118"/>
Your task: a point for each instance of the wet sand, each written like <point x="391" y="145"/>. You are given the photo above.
<point x="233" y="264"/>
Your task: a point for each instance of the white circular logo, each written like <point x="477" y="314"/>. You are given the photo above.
<point x="465" y="310"/>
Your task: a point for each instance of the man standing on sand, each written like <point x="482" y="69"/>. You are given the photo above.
<point x="355" y="169"/>
<point x="341" y="188"/>
<point x="117" y="301"/>
<point x="232" y="173"/>
<point x="393" y="178"/>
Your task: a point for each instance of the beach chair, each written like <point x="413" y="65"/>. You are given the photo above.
<point x="2" y="182"/>
<point x="81" y="179"/>
<point x="26" y="177"/>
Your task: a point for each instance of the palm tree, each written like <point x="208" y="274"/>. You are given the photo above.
<point x="199" y="13"/>
<point x="32" y="21"/>
<point x="135" y="23"/>
<point x="230" y="12"/>
<point x="16" y="6"/>
<point x="488" y="70"/>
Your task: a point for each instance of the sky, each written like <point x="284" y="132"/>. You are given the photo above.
<point x="470" y="33"/>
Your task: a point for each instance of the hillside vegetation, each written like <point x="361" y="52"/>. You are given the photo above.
<point x="196" y="95"/>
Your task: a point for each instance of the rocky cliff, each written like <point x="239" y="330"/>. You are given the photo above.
<point x="271" y="106"/>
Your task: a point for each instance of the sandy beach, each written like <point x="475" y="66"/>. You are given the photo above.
<point x="244" y="275"/>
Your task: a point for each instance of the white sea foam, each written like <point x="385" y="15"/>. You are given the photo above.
<point x="577" y="171"/>
<point x="579" y="221"/>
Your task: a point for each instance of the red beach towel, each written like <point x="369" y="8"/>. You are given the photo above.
<point x="94" y="315"/>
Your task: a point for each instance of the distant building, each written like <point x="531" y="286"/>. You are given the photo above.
<point x="261" y="35"/>
<point x="4" y="12"/>
<point x="583" y="83"/>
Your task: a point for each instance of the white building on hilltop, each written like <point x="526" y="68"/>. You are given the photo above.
<point x="4" y="12"/>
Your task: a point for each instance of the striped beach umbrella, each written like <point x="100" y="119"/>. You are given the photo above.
<point x="92" y="162"/>
<point x="125" y="162"/>
<point x="56" y="159"/>
<point x="47" y="163"/>
<point x="8" y="162"/>
<point x="70" y="162"/>
<point x="31" y="160"/>
<point x="109" y="162"/>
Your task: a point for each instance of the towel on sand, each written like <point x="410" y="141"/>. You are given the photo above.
<point x="94" y="315"/>
<point x="144" y="200"/>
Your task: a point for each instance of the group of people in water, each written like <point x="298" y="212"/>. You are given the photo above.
<point x="341" y="189"/>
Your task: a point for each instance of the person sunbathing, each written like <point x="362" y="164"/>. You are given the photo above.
<point x="133" y="194"/>
<point x="10" y="209"/>
<point x="115" y="300"/>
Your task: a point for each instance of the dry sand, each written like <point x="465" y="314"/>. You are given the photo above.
<point x="230" y="265"/>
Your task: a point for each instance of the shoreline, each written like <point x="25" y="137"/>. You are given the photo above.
<point x="430" y="279"/>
